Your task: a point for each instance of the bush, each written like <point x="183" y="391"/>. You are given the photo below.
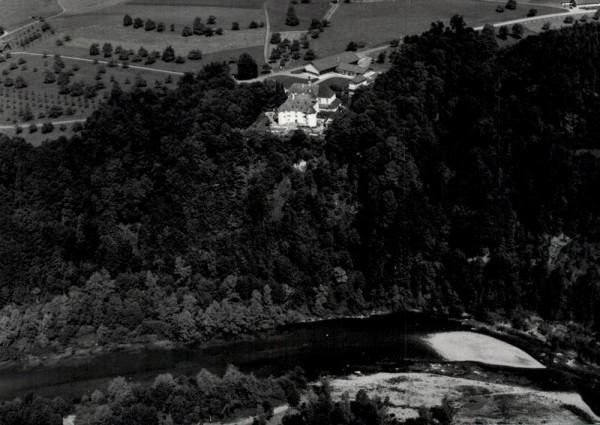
<point x="150" y="25"/>
<point x="235" y="26"/>
<point x="32" y="128"/>
<point x="127" y="21"/>
<point x="499" y="9"/>
<point x="532" y="12"/>
<point x="569" y="20"/>
<point x="160" y="27"/>
<point x="47" y="127"/>
<point x="511" y="4"/>
<point x="195" y="55"/>
<point x="138" y="23"/>
<point x="352" y="47"/>
<point x="179" y="60"/>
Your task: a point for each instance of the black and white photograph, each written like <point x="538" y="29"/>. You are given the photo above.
<point x="299" y="212"/>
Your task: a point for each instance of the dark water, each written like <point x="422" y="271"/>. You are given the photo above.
<point x="334" y="346"/>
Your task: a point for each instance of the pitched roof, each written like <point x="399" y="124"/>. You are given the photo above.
<point x="298" y="103"/>
<point x="358" y="79"/>
<point x="352" y="68"/>
<point x="299" y="88"/>
<point x="332" y="106"/>
<point x="325" y="91"/>
<point x="333" y="61"/>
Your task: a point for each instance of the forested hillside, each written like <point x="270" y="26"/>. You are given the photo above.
<point x="448" y="185"/>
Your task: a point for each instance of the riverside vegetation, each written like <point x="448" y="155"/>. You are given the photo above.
<point x="444" y="185"/>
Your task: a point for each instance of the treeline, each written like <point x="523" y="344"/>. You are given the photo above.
<point x="186" y="400"/>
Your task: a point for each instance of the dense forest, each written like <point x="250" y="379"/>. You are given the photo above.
<point x="465" y="179"/>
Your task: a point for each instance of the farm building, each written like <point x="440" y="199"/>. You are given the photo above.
<point x="351" y="70"/>
<point x="325" y="65"/>
<point x="357" y="82"/>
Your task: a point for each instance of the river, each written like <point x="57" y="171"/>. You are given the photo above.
<point x="333" y="346"/>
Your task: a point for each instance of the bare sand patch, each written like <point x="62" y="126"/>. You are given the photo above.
<point x="471" y="346"/>
<point x="474" y="400"/>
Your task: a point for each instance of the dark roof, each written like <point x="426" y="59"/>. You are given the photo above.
<point x="325" y="91"/>
<point x="299" y="88"/>
<point x="358" y="79"/>
<point x="333" y="61"/>
<point x="298" y="103"/>
<point x="352" y="68"/>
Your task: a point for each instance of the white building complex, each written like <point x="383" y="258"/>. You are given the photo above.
<point x="304" y="103"/>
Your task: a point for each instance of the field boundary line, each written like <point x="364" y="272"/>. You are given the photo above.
<point x="143" y="68"/>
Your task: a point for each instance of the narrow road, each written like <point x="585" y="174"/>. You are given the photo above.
<point x="574" y="11"/>
<point x="142" y="68"/>
<point x="63" y="10"/>
<point x="39" y="124"/>
<point x="334" y="7"/>
<point x="268" y="33"/>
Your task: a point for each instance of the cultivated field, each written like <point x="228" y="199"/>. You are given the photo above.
<point x="14" y="13"/>
<point x="40" y="97"/>
<point x="377" y="23"/>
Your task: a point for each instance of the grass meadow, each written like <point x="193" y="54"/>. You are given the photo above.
<point x="304" y="11"/>
<point x="14" y="13"/>
<point x="377" y="23"/>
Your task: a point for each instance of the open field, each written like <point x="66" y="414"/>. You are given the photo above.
<point x="305" y="12"/>
<point x="14" y="13"/>
<point x="107" y="26"/>
<point x="40" y="97"/>
<point x="476" y="401"/>
<point x="377" y="23"/>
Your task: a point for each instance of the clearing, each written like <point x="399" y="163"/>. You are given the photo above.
<point x="471" y="346"/>
<point x="476" y="401"/>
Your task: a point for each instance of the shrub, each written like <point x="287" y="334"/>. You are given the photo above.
<point x="127" y="21"/>
<point x="499" y="9"/>
<point x="569" y="20"/>
<point x="195" y="55"/>
<point x="138" y="23"/>
<point x="532" y="12"/>
<point x="47" y="127"/>
<point x="179" y="60"/>
<point x="150" y="25"/>
<point x="235" y="26"/>
<point x="511" y="4"/>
